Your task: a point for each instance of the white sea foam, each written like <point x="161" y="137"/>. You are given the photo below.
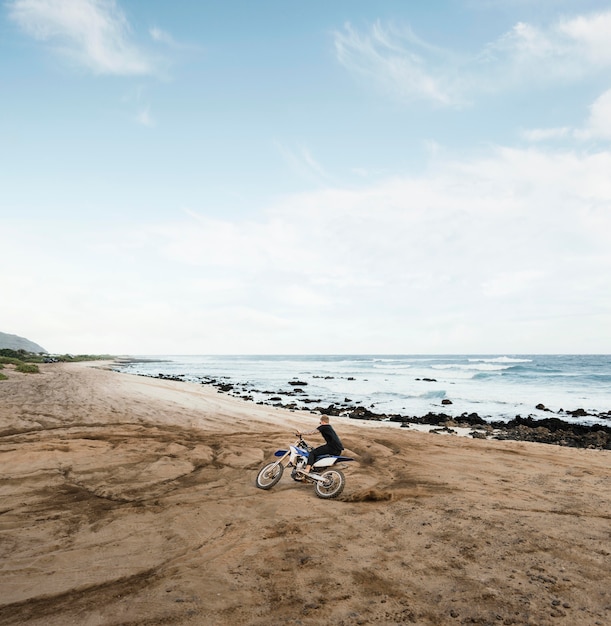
<point x="502" y="359"/>
<point x="495" y="387"/>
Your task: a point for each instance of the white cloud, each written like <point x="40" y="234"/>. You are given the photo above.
<point x="408" y="68"/>
<point x="399" y="63"/>
<point x="545" y="134"/>
<point x="513" y="283"/>
<point x="590" y="36"/>
<point x="512" y="237"/>
<point x="566" y="50"/>
<point x="599" y="122"/>
<point x="511" y="252"/>
<point x="596" y="127"/>
<point x="92" y="33"/>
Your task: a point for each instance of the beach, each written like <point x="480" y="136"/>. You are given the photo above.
<point x="131" y="500"/>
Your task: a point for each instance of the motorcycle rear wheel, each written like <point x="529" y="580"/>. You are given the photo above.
<point x="332" y="485"/>
<point x="269" y="475"/>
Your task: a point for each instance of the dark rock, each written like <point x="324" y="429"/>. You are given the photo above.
<point x="578" y="413"/>
<point x="330" y="410"/>
<point x="472" y="419"/>
<point x="178" y="378"/>
<point x="361" y="413"/>
<point x="542" y="407"/>
<point x="478" y="434"/>
<point x="446" y="401"/>
<point x="556" y="431"/>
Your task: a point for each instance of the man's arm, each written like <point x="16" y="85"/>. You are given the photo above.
<point x="310" y="432"/>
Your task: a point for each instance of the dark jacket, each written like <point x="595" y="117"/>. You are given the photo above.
<point x="333" y="441"/>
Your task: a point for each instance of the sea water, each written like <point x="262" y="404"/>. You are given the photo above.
<point x="496" y="387"/>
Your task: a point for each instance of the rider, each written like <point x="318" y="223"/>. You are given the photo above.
<point x="333" y="444"/>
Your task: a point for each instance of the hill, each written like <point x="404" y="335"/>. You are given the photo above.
<point x="14" y="342"/>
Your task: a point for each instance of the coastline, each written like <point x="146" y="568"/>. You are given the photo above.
<point x="495" y="388"/>
<point x="129" y="499"/>
<point x="551" y="429"/>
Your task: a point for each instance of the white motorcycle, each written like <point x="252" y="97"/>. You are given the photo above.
<point x="328" y="480"/>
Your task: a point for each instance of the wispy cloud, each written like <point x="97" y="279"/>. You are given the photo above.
<point x="409" y="68"/>
<point x="566" y="50"/>
<point x="399" y="62"/>
<point x="304" y="164"/>
<point x="546" y="134"/>
<point x="91" y="33"/>
<point x="157" y="34"/>
<point x="145" y="118"/>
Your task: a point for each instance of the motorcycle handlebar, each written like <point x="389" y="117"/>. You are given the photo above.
<point x="302" y="441"/>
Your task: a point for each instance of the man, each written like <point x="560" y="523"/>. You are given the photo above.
<point x="332" y="445"/>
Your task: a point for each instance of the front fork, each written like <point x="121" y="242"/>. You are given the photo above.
<point x="281" y="460"/>
<point x="311" y="477"/>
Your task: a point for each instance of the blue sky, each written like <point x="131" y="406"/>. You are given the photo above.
<point x="320" y="177"/>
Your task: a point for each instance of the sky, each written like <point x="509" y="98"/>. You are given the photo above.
<point x="282" y="177"/>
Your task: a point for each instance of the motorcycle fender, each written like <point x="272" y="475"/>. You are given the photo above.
<point x="280" y="452"/>
<point x="326" y="461"/>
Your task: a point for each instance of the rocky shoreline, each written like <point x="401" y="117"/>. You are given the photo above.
<point x="550" y="430"/>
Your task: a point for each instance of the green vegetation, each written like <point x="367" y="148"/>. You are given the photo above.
<point x="28" y="368"/>
<point x="9" y="360"/>
<point x="21" y="356"/>
<point x="70" y="358"/>
<point x="26" y="362"/>
<point x="16" y="355"/>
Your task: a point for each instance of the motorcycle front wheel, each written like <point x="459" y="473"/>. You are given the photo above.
<point x="269" y="475"/>
<point x="331" y="485"/>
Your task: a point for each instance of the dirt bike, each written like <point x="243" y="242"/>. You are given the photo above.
<point x="328" y="480"/>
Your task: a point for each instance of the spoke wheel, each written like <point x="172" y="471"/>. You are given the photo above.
<point x="269" y="475"/>
<point x="331" y="485"/>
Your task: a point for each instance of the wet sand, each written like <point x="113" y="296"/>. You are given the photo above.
<point x="131" y="500"/>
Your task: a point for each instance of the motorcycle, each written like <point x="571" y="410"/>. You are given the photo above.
<point x="329" y="481"/>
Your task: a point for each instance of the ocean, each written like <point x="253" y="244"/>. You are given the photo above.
<point x="496" y="387"/>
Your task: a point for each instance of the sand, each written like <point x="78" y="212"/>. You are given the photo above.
<point x="131" y="500"/>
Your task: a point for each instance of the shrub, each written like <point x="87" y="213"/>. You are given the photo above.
<point x="13" y="354"/>
<point x="3" y="376"/>
<point x="10" y="360"/>
<point x="28" y="368"/>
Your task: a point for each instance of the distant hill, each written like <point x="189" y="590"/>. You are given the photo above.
<point x="15" y="342"/>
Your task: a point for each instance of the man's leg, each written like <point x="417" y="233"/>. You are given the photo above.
<point x="314" y="454"/>
<point x="311" y="461"/>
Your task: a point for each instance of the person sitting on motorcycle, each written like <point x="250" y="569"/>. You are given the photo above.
<point x="332" y="445"/>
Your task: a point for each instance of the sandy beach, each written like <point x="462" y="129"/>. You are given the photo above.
<point x="131" y="500"/>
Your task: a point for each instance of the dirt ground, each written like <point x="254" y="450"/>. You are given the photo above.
<point x="127" y="500"/>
